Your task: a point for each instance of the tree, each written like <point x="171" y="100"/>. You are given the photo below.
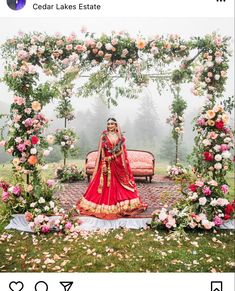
<point x="146" y="127"/>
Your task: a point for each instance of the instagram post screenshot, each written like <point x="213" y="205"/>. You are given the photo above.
<point x="117" y="145"/>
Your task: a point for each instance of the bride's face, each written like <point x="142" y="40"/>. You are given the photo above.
<point x="111" y="125"/>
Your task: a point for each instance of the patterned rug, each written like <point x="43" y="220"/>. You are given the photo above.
<point x="162" y="191"/>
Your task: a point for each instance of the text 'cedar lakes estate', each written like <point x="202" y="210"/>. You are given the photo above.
<point x="57" y="6"/>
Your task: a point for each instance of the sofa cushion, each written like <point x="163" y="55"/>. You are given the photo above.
<point x="141" y="162"/>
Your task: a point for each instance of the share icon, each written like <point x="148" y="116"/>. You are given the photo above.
<point x="66" y="285"/>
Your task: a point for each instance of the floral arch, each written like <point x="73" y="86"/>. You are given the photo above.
<point x="166" y="60"/>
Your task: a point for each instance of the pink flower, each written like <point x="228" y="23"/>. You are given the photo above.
<point x="206" y="191"/>
<point x="201" y="122"/>
<point x="50" y="182"/>
<point x="28" y="216"/>
<point x="19" y="100"/>
<point x="224" y="188"/>
<point x="69" y="47"/>
<point x="5" y="196"/>
<point x="207" y="224"/>
<point x="199" y="183"/>
<point x="21" y="147"/>
<point x="217" y="220"/>
<point x="213" y="135"/>
<point x="45" y="229"/>
<point x="68" y="225"/>
<point x="16" y="191"/>
<point x="223" y="147"/>
<point x="28" y="122"/>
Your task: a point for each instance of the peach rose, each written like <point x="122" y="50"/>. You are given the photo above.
<point x="210" y="114"/>
<point x="210" y="122"/>
<point x="36" y="106"/>
<point x="140" y="44"/>
<point x="225" y="118"/>
<point x="32" y="160"/>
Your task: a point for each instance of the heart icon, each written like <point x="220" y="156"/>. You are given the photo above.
<point x="16" y="286"/>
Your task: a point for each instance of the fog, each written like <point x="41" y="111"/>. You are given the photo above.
<point x="128" y="111"/>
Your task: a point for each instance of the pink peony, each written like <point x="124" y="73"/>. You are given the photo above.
<point x="206" y="191"/>
<point x="45" y="229"/>
<point x="5" y="196"/>
<point x="224" y="188"/>
<point x="223" y="147"/>
<point x="19" y="100"/>
<point x="68" y="225"/>
<point x="217" y="220"/>
<point x="21" y="147"/>
<point x="16" y="190"/>
<point x="199" y="183"/>
<point x="28" y="122"/>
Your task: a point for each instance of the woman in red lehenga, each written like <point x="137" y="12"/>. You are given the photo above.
<point x="112" y="192"/>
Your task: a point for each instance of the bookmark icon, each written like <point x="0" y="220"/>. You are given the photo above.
<point x="66" y="285"/>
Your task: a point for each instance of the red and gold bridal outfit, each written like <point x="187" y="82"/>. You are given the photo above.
<point x="113" y="194"/>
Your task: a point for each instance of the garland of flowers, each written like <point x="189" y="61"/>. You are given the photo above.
<point x="110" y="57"/>
<point x="176" y="120"/>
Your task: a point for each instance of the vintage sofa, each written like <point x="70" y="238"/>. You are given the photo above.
<point x="142" y="163"/>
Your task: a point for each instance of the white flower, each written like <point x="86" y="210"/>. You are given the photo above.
<point x="222" y="202"/>
<point x="218" y="60"/>
<point x="62" y="143"/>
<point x="227" y="139"/>
<point x="41" y="200"/>
<point x="99" y="45"/>
<point x="218" y="166"/>
<point x="216" y="148"/>
<point x="218" y="157"/>
<point x="33" y="151"/>
<point x="217" y="77"/>
<point x="194" y="196"/>
<point x="209" y="64"/>
<point x="52" y="204"/>
<point x="33" y="50"/>
<point x="173" y="212"/>
<point x="202" y="201"/>
<point x="222" y="134"/>
<point x="206" y="142"/>
<point x="226" y="154"/>
<point x="16" y="125"/>
<point x="33" y="204"/>
<point x="162" y="215"/>
<point x="202" y="216"/>
<point x="213" y="202"/>
<point x="108" y="46"/>
<point x="18" y="139"/>
<point x="46" y="208"/>
<point x="10" y="189"/>
<point x="37" y="210"/>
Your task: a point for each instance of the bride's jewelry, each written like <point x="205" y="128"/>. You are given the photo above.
<point x="112" y="133"/>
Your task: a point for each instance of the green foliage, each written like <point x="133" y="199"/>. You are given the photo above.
<point x="70" y="173"/>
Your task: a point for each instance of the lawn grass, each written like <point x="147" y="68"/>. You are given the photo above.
<point x="117" y="250"/>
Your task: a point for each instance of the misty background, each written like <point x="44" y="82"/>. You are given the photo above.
<point x="142" y="120"/>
